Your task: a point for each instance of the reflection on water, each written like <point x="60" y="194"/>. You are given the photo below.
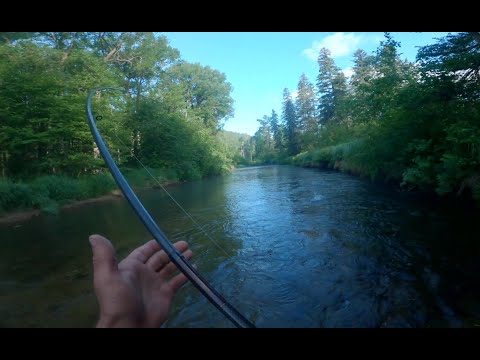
<point x="306" y="248"/>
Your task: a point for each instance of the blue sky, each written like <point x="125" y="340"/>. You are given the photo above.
<point x="260" y="65"/>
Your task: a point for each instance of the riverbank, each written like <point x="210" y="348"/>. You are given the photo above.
<point x="341" y="158"/>
<point x="26" y="214"/>
<point x="20" y="201"/>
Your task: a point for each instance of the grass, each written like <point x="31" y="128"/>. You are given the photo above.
<point x="49" y="192"/>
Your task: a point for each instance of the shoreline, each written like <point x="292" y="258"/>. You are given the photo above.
<point x="27" y="214"/>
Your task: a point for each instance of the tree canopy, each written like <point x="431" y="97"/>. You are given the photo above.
<point x="417" y="124"/>
<point x="170" y="117"/>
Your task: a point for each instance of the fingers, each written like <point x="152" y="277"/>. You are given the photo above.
<point x="160" y="258"/>
<point x="178" y="281"/>
<point x="171" y="267"/>
<point x="144" y="252"/>
<point x="104" y="261"/>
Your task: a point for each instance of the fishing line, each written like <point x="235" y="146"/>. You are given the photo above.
<point x="177" y="258"/>
<point x="172" y="198"/>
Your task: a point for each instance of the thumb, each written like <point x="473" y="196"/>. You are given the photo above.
<point x="104" y="261"/>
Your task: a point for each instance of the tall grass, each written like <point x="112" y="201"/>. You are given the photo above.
<point x="49" y="192"/>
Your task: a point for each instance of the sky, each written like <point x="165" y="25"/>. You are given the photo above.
<point x="260" y="65"/>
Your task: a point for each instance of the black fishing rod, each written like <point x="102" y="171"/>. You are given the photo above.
<point x="177" y="258"/>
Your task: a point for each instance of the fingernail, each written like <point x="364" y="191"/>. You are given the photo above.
<point x="92" y="239"/>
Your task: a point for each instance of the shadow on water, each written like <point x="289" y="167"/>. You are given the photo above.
<point x="297" y="248"/>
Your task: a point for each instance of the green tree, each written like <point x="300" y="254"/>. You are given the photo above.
<point x="306" y="114"/>
<point x="363" y="70"/>
<point x="193" y="89"/>
<point x="331" y="87"/>
<point x="276" y="131"/>
<point x="44" y="81"/>
<point x="42" y="109"/>
<point x="289" y="118"/>
<point x="140" y="58"/>
<point x="444" y="153"/>
<point x="264" y="143"/>
<point x="237" y="145"/>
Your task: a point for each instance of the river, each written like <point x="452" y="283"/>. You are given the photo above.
<point x="293" y="247"/>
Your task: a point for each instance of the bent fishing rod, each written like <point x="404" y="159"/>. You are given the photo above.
<point x="176" y="257"/>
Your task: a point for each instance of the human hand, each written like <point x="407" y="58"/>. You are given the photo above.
<point x="138" y="291"/>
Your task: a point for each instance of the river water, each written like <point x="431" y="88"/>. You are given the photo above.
<point x="293" y="247"/>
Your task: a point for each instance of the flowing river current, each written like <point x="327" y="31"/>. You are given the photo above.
<point x="293" y="247"/>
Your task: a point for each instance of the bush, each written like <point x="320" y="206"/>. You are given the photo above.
<point x="14" y="195"/>
<point x="49" y="192"/>
<point x="94" y="186"/>
<point x="57" y="188"/>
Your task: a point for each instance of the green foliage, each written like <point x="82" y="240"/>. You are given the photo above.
<point x="239" y="146"/>
<point x="331" y="87"/>
<point x="169" y="119"/>
<point x="93" y="186"/>
<point x="143" y="177"/>
<point x="57" y="188"/>
<point x="50" y="192"/>
<point x="416" y="125"/>
<point x="14" y="195"/>
<point x="42" y="107"/>
<point x="199" y="91"/>
<point x="305" y="109"/>
<point x="290" y="124"/>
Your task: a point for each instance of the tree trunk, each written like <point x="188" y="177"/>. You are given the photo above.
<point x="3" y="162"/>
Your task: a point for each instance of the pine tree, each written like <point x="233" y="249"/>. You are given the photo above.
<point x="331" y="86"/>
<point x="289" y="118"/>
<point x="362" y="70"/>
<point x="276" y="131"/>
<point x="306" y="113"/>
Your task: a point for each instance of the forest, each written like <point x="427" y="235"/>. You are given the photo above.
<point x="416" y="124"/>
<point x="170" y="118"/>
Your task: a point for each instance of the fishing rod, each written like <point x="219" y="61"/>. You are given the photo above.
<point x="176" y="257"/>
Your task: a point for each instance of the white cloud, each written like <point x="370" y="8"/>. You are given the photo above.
<point x="340" y="44"/>
<point x="348" y="71"/>
<point x="294" y="94"/>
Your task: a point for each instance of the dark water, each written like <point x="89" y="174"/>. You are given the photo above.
<point x="304" y="248"/>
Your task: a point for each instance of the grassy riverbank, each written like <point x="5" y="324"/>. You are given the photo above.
<point x="49" y="193"/>
<point x="353" y="159"/>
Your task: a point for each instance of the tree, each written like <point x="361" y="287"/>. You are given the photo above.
<point x="361" y="82"/>
<point x="237" y="144"/>
<point x="289" y="118"/>
<point x="445" y="150"/>
<point x="42" y="109"/>
<point x="140" y="58"/>
<point x="276" y="131"/>
<point x="363" y="70"/>
<point x="331" y="87"/>
<point x="200" y="91"/>
<point x="45" y="79"/>
<point x="11" y="37"/>
<point x="306" y="114"/>
<point x="264" y="144"/>
<point x="455" y="57"/>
